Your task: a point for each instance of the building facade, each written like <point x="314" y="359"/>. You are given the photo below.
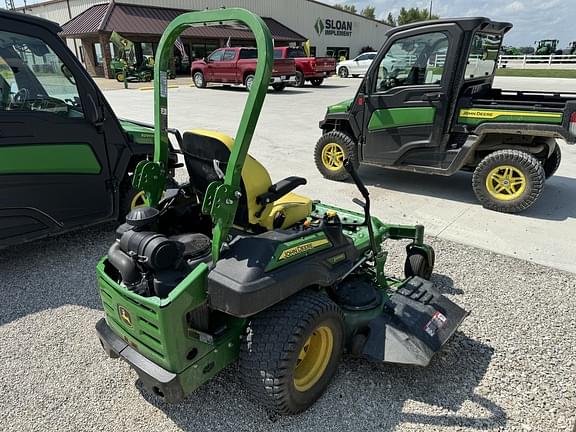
<point x="331" y="31"/>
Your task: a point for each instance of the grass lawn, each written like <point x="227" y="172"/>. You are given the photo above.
<point x="539" y="73"/>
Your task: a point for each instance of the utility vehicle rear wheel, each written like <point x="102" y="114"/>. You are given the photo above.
<point x="508" y="181"/>
<point x="316" y="82"/>
<point x="291" y="351"/>
<point x="343" y="72"/>
<point x="300" y="80"/>
<point x="331" y="150"/>
<point x="278" y="87"/>
<point x="552" y="164"/>
<point x="199" y="80"/>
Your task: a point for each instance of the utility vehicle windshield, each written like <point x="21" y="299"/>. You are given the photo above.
<point x="33" y="78"/>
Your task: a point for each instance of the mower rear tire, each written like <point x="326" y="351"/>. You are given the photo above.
<point x="552" y="164"/>
<point x="199" y="80"/>
<point x="331" y="150"/>
<point x="291" y="351"/>
<point x="508" y="181"/>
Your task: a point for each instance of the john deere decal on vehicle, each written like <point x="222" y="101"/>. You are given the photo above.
<point x="427" y="105"/>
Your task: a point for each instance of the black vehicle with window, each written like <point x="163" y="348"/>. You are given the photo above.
<point x="65" y="159"/>
<point x="427" y="105"/>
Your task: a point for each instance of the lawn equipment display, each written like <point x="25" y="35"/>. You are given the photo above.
<point x="231" y="267"/>
<point x="436" y="112"/>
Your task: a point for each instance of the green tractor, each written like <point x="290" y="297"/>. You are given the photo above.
<point x="231" y="267"/>
<point x="547" y="47"/>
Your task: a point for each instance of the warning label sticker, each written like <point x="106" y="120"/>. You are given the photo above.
<point x="437" y="321"/>
<point x="163" y="84"/>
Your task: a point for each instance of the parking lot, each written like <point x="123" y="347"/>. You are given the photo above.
<point x="510" y="367"/>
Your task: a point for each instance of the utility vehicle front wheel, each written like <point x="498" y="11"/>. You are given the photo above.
<point x="331" y="150"/>
<point x="508" y="181"/>
<point x="552" y="164"/>
<point x="291" y="351"/>
<point x="199" y="80"/>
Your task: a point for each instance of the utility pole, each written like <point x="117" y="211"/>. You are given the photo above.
<point x="430" y="11"/>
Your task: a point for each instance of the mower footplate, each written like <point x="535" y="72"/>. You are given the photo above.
<point x="155" y="379"/>
<point x="416" y="322"/>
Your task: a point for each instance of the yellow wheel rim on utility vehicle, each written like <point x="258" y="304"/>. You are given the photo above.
<point x="333" y="156"/>
<point x="138" y="201"/>
<point x="313" y="358"/>
<point x="506" y="183"/>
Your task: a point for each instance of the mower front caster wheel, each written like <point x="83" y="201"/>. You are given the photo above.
<point x="291" y="351"/>
<point x="419" y="264"/>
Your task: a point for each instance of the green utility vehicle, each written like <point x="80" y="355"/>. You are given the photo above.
<point x="65" y="159"/>
<point x="547" y="47"/>
<point x="231" y="267"/>
<point x="434" y="110"/>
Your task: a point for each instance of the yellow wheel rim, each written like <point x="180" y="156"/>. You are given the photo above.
<point x="138" y="200"/>
<point x="313" y="358"/>
<point x="120" y="77"/>
<point x="506" y="183"/>
<point x="333" y="156"/>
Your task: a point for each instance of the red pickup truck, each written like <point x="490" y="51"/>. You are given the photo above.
<point x="237" y="66"/>
<point x="313" y="69"/>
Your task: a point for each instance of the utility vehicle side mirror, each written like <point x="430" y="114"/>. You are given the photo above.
<point x="94" y="114"/>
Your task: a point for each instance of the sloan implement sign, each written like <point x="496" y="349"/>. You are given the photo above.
<point x="331" y="27"/>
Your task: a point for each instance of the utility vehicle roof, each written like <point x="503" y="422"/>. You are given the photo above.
<point x="467" y="24"/>
<point x="29" y="19"/>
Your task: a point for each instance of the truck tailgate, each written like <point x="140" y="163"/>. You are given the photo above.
<point x="325" y="64"/>
<point x="284" y="67"/>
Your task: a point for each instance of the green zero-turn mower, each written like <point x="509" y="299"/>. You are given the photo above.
<point x="231" y="267"/>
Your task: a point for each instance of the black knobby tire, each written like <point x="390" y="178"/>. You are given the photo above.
<point x="316" y="82"/>
<point x="272" y="346"/>
<point x="350" y="152"/>
<point x="278" y="87"/>
<point x="552" y="164"/>
<point x="417" y="264"/>
<point x="199" y="80"/>
<point x="530" y="167"/>
<point x="343" y="72"/>
<point x="300" y="80"/>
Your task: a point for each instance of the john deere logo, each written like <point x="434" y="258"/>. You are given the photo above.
<point x="125" y="316"/>
<point x="319" y="26"/>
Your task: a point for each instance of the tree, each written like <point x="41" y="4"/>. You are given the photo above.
<point x="390" y="20"/>
<point x="345" y="7"/>
<point x="366" y="48"/>
<point x="369" y="12"/>
<point x="407" y="16"/>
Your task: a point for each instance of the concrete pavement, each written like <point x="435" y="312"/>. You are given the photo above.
<point x="287" y="132"/>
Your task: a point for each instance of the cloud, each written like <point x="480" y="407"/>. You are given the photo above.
<point x="532" y="19"/>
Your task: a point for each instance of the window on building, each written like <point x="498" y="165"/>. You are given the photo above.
<point x="483" y="55"/>
<point x="33" y="78"/>
<point x="147" y="51"/>
<point x="414" y="60"/>
<point x="98" y="54"/>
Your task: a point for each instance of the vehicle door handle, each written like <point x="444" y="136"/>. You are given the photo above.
<point x="432" y="97"/>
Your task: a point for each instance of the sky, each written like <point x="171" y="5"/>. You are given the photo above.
<point x="533" y="19"/>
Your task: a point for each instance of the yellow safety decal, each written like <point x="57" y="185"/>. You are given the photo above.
<point x="490" y="114"/>
<point x="305" y="247"/>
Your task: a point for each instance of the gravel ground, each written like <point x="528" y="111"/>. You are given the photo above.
<point x="512" y="365"/>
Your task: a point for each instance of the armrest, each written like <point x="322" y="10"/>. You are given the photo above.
<point x="278" y="190"/>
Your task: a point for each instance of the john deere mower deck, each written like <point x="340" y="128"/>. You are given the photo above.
<point x="232" y="267"/>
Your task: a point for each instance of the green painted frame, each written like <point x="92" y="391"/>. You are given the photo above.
<point x="221" y="197"/>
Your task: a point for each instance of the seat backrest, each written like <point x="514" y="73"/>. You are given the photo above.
<point x="201" y="148"/>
